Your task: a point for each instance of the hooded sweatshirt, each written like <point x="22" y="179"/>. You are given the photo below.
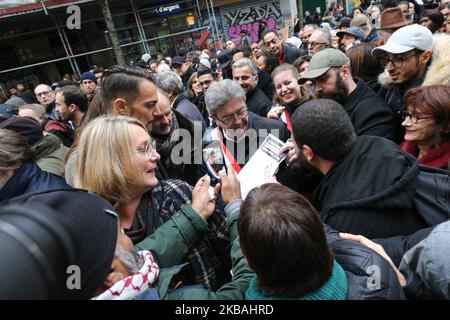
<point x="377" y="191"/>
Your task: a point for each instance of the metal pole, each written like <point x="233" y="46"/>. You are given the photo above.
<point x="3" y="91"/>
<point x="215" y="24"/>
<point x="199" y="12"/>
<point x="213" y="32"/>
<point x="35" y="64"/>
<point x="71" y="51"/>
<point x="68" y="54"/>
<point x="140" y="28"/>
<point x="300" y="13"/>
<point x="97" y="51"/>
<point x="43" y="7"/>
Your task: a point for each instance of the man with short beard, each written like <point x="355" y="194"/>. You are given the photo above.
<point x="167" y="128"/>
<point x="273" y="40"/>
<point x="330" y="72"/>
<point x="245" y="73"/>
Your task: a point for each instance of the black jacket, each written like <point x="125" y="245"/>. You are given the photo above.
<point x="199" y="102"/>
<point x="187" y="75"/>
<point x="369" y="275"/>
<point x="28" y="96"/>
<point x="290" y="53"/>
<point x="369" y="113"/>
<point x="258" y="103"/>
<point x="50" y="111"/>
<point x="266" y="85"/>
<point x="186" y="170"/>
<point x="28" y="179"/>
<point x="189" y="110"/>
<point x="379" y="191"/>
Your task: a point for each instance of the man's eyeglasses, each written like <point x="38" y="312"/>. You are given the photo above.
<point x="314" y="44"/>
<point x="398" y="61"/>
<point x="274" y="40"/>
<point x="205" y="83"/>
<point x="240" y="114"/>
<point x="45" y="93"/>
<point x="414" y="117"/>
<point x="149" y="150"/>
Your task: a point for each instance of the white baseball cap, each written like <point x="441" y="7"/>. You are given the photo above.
<point x="406" y="39"/>
<point x="146" y="57"/>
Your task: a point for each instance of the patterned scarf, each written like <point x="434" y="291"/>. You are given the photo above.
<point x="209" y="260"/>
<point x="133" y="285"/>
<point x="165" y="143"/>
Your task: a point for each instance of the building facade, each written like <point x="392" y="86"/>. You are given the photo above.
<point x="41" y="41"/>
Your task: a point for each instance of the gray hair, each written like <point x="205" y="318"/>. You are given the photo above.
<point x="37" y="109"/>
<point x="14" y="150"/>
<point x="312" y="25"/>
<point x="169" y="80"/>
<point x="43" y="84"/>
<point x="246" y="62"/>
<point x="222" y="92"/>
<point x="326" y="35"/>
<point x="130" y="259"/>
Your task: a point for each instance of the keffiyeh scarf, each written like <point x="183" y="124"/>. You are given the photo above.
<point x="133" y="285"/>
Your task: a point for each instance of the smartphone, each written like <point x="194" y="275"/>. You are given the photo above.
<point x="214" y="160"/>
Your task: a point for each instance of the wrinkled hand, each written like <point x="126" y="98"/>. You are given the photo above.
<point x="275" y="113"/>
<point x="375" y="247"/>
<point x="231" y="187"/>
<point x="292" y="154"/>
<point x="201" y="201"/>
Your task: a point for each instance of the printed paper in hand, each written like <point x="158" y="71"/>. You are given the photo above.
<point x="262" y="166"/>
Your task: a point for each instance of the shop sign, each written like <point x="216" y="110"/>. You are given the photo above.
<point x="167" y="10"/>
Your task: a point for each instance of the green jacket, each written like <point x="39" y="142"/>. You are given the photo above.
<point x="49" y="154"/>
<point x="170" y="244"/>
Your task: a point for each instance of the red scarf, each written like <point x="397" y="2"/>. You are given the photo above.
<point x="438" y="156"/>
<point x="280" y="57"/>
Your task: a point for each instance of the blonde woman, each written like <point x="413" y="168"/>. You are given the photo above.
<point x="117" y="161"/>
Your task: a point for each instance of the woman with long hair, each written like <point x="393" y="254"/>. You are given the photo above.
<point x="116" y="159"/>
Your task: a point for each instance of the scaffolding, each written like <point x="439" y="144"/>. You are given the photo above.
<point x="143" y="41"/>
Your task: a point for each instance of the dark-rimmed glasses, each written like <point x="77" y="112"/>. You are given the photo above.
<point x="415" y="117"/>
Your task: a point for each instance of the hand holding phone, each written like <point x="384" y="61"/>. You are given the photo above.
<point x="214" y="160"/>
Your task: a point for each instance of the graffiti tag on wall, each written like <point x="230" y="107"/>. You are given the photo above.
<point x="248" y="18"/>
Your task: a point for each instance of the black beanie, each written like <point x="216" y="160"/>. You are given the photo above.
<point x="70" y="227"/>
<point x="28" y="127"/>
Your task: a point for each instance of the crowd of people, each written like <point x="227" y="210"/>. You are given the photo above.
<point x="108" y="173"/>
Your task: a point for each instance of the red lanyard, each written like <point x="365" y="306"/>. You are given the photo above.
<point x="288" y="119"/>
<point x="227" y="154"/>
